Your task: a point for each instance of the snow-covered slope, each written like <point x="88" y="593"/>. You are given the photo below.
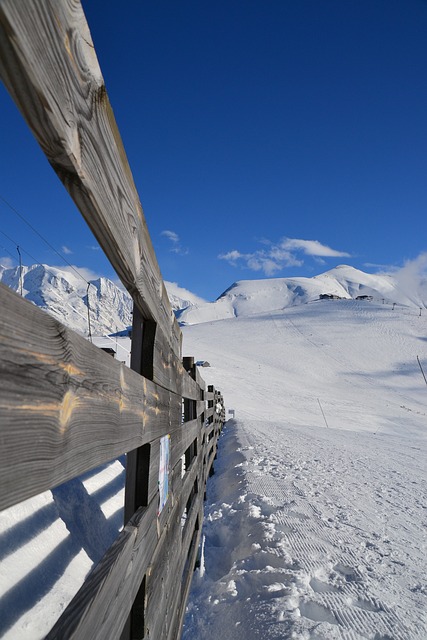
<point x="64" y="294"/>
<point x="248" y="297"/>
<point x="181" y="298"/>
<point x="315" y="521"/>
<point x="315" y="524"/>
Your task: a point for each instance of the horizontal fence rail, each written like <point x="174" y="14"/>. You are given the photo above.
<point x="67" y="407"/>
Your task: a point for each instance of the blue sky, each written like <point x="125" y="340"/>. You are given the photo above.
<point x="266" y="138"/>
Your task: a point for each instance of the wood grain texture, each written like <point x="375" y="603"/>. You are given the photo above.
<point x="176" y="628"/>
<point x="60" y="91"/>
<point x="209" y="413"/>
<point x="169" y="372"/>
<point x="168" y="561"/>
<point x="65" y="405"/>
<point x="190" y="432"/>
<point x="198" y="378"/>
<point x="200" y="409"/>
<point x="100" y="609"/>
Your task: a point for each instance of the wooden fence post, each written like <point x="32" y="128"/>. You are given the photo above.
<point x="67" y="410"/>
<point x="138" y="460"/>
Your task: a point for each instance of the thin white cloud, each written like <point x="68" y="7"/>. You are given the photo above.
<point x="83" y="272"/>
<point x="231" y="256"/>
<point x="375" y="265"/>
<point x="66" y="250"/>
<point x="173" y="237"/>
<point x="268" y="261"/>
<point x="277" y="256"/>
<point x="174" y="289"/>
<point x="7" y="262"/>
<point x="312" y="248"/>
<point x="176" y="244"/>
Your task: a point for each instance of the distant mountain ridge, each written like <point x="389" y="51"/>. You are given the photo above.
<point x="64" y="294"/>
<point x="249" y="297"/>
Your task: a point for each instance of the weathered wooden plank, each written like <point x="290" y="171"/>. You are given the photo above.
<point x="66" y="406"/>
<point x="200" y="408"/>
<point x="210" y="432"/>
<point x="190" y="388"/>
<point x="209" y="396"/>
<point x="101" y="607"/>
<point x="198" y="378"/>
<point x="169" y="372"/>
<point x="210" y="412"/>
<point x="168" y="559"/>
<point x="176" y="626"/>
<point x="190" y="431"/>
<point x="60" y="91"/>
<point x="183" y="566"/>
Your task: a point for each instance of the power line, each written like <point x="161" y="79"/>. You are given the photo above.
<point x="101" y="314"/>
<point x="74" y="269"/>
<point x="16" y="244"/>
<point x="16" y="212"/>
<point x="101" y="317"/>
<point x="7" y="250"/>
<point x="40" y="263"/>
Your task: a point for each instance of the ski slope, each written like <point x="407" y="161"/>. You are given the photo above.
<point x="316" y="518"/>
<point x="247" y="297"/>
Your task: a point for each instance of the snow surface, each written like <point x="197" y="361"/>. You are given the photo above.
<point x="316" y="517"/>
<point x="64" y="294"/>
<point x="181" y="298"/>
<point x="49" y="543"/>
<point x="247" y="297"/>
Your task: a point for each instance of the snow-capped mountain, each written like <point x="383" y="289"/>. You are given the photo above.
<point x="315" y="502"/>
<point x="66" y="295"/>
<point x="317" y="498"/>
<point x="181" y="298"/>
<point x="248" y="297"/>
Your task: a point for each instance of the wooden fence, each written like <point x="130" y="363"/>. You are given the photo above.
<point x="66" y="406"/>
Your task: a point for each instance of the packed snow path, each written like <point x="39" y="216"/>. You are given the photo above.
<point x="313" y="533"/>
<point x="316" y="528"/>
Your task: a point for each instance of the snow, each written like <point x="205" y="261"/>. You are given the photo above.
<point x="248" y="297"/>
<point x="181" y="298"/>
<point x="315" y="524"/>
<point x="49" y="543"/>
<point x="316" y="517"/>
<point x="64" y="293"/>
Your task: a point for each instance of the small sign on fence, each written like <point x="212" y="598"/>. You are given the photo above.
<point x="164" y="472"/>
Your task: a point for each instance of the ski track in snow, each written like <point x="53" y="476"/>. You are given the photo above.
<point x="315" y="531"/>
<point x="309" y="561"/>
<point x="316" y="517"/>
